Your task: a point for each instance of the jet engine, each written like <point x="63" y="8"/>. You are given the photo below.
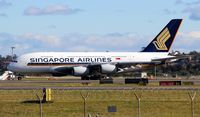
<point x="108" y="68"/>
<point x="80" y="71"/>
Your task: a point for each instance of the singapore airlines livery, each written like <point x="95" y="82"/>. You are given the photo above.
<point x="93" y="65"/>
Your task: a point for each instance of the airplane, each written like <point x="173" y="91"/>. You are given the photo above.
<point x="92" y="65"/>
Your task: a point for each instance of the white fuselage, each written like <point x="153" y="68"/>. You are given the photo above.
<point x="46" y="62"/>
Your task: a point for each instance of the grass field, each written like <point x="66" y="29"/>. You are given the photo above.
<point x="22" y="103"/>
<point x="65" y="103"/>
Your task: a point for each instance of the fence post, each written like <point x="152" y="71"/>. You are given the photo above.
<point x="84" y="103"/>
<point x="192" y="97"/>
<point x="138" y="97"/>
<point x="40" y="101"/>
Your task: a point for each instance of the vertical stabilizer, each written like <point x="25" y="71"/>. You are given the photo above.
<point x="163" y="41"/>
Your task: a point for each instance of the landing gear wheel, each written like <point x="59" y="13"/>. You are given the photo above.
<point x="96" y="77"/>
<point x="84" y="78"/>
<point x="19" y="78"/>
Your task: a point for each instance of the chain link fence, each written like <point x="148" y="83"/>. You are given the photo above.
<point x="126" y="103"/>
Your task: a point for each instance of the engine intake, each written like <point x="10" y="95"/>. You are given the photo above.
<point x="108" y="68"/>
<point x="80" y="71"/>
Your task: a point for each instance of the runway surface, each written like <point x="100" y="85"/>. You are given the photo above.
<point x="91" y="81"/>
<point x="50" y="81"/>
<point x="27" y="85"/>
<point x="97" y="88"/>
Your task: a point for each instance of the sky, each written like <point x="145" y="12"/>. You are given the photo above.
<point x="94" y="25"/>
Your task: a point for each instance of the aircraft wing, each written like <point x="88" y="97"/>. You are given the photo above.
<point x="66" y="70"/>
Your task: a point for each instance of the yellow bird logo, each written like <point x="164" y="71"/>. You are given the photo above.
<point x="161" y="40"/>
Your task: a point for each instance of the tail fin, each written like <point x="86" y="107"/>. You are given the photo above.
<point x="163" y="41"/>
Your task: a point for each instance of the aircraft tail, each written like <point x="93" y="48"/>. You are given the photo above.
<point x="163" y="41"/>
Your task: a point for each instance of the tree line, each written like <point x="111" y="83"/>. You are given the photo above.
<point x="4" y="61"/>
<point x="189" y="66"/>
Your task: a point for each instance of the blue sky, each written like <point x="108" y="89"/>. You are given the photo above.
<point x="94" y="25"/>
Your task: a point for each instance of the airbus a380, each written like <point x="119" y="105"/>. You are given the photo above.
<point x="90" y="65"/>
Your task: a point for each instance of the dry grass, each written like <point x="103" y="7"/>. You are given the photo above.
<point x="15" y="103"/>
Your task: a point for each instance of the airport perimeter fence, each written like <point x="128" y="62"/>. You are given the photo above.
<point x="101" y="103"/>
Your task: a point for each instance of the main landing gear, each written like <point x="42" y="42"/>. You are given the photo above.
<point x="94" y="77"/>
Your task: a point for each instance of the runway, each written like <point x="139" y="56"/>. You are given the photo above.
<point x="182" y="80"/>
<point x="98" y="88"/>
<point x="91" y="81"/>
<point x="50" y="81"/>
<point x="40" y="84"/>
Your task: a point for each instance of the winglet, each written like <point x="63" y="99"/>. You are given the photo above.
<point x="163" y="41"/>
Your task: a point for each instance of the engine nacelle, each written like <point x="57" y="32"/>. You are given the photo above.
<point x="80" y="71"/>
<point x="108" y="68"/>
